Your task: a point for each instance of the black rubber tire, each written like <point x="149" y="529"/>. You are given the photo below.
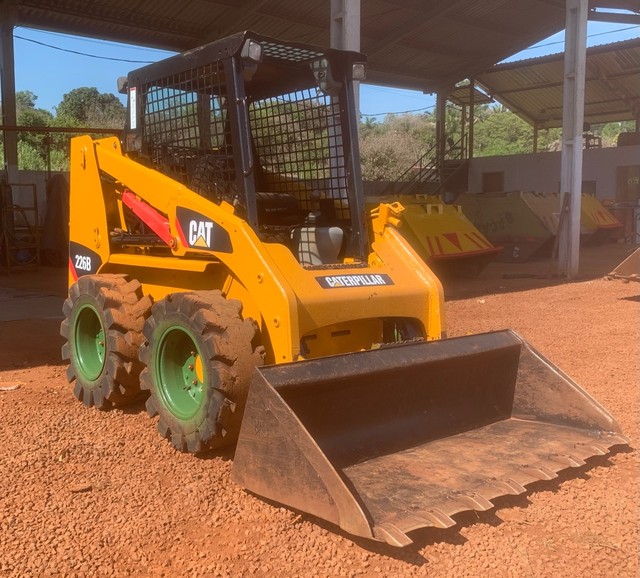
<point x="228" y="347"/>
<point x="396" y="331"/>
<point x="121" y="307"/>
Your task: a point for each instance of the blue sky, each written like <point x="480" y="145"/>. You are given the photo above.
<point x="50" y="73"/>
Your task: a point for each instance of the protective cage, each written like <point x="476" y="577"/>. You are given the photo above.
<point x="260" y="134"/>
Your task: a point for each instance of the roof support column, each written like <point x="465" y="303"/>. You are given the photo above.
<point x="345" y="32"/>
<point x="8" y="82"/>
<point x="572" y="128"/>
<point x="463" y="132"/>
<point x="472" y="114"/>
<point x="441" y="130"/>
<point x="345" y="24"/>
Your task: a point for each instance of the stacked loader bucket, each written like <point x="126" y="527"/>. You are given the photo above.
<point x="386" y="441"/>
<point x="507" y="219"/>
<point x="441" y="234"/>
<point x="526" y="223"/>
<point x="597" y="223"/>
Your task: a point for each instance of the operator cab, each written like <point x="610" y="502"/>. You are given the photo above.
<point x="266" y="126"/>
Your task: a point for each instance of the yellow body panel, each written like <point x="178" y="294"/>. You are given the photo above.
<point x="288" y="301"/>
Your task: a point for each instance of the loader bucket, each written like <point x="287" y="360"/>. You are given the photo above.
<point x="596" y="222"/>
<point x="525" y="224"/>
<point x="599" y="223"/>
<point x="629" y="269"/>
<point x="386" y="441"/>
<point x="442" y="235"/>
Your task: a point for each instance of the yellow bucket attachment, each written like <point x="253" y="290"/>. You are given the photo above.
<point x="442" y="235"/>
<point x="596" y="220"/>
<point x="386" y="441"/>
<point x="594" y="217"/>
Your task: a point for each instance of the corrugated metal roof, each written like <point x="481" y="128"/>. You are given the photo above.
<point x="461" y="95"/>
<point x="415" y="44"/>
<point x="533" y="88"/>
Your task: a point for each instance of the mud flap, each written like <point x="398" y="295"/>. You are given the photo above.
<point x="386" y="441"/>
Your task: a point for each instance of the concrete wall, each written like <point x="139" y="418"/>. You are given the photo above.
<point x="541" y="172"/>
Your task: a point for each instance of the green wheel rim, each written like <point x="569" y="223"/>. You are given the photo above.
<point x="180" y="373"/>
<point x="89" y="343"/>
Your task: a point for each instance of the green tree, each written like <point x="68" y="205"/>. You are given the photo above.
<point x="500" y="132"/>
<point x="390" y="147"/>
<point x="25" y="99"/>
<point x="293" y="136"/>
<point x="89" y="108"/>
<point x="385" y="156"/>
<point x="32" y="146"/>
<point x="610" y="131"/>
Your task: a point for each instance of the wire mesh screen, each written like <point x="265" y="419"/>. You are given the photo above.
<point x="290" y="53"/>
<point x="298" y="141"/>
<point x="186" y="131"/>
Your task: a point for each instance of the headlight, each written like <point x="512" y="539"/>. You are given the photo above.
<point x="359" y="71"/>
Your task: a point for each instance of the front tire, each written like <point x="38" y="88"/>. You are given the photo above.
<point x="199" y="356"/>
<point x="104" y="317"/>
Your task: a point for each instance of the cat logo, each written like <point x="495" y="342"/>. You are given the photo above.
<point x="200" y="233"/>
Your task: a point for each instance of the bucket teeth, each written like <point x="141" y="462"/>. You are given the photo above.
<point x="472" y="499"/>
<point x="509" y="486"/>
<point x="539" y="472"/>
<point x="567" y="460"/>
<point x="616" y="440"/>
<point x="437" y="518"/>
<point x="391" y="534"/>
<point x="594" y="448"/>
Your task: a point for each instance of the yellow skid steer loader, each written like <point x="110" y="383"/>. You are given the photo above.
<point x="221" y="268"/>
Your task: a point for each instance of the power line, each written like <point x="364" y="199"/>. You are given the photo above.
<point x="536" y="46"/>
<point x="84" y="53"/>
<point x="98" y="57"/>
<point x="402" y="112"/>
<point x="555" y="42"/>
<point x="525" y="50"/>
<point x="401" y="91"/>
<point x="106" y="43"/>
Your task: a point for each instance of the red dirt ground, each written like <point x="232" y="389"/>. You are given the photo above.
<point x="90" y="493"/>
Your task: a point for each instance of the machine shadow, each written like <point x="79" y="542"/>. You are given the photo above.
<point x="426" y="537"/>
<point x="28" y="343"/>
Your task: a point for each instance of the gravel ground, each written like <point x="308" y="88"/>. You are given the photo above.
<point x="90" y="493"/>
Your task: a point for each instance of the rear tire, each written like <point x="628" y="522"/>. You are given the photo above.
<point x="199" y="355"/>
<point x="104" y="317"/>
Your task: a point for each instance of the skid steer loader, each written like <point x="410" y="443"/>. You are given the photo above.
<point x="220" y="266"/>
